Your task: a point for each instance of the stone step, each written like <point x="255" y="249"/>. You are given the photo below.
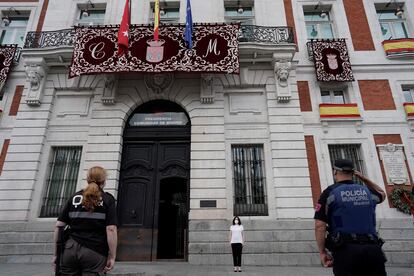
<point x="25" y="237"/>
<point x="26" y="249"/>
<point x="276" y="259"/>
<point x="43" y="226"/>
<point x="26" y="259"/>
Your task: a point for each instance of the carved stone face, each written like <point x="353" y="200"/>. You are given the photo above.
<point x="34" y="79"/>
<point x="159" y="79"/>
<point x="283" y="74"/>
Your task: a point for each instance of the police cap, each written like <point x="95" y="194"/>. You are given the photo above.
<point x="345" y="165"/>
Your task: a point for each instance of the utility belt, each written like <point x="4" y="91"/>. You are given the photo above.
<point x="339" y="240"/>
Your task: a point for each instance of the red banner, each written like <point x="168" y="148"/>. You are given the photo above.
<point x="7" y="53"/>
<point x="215" y="50"/>
<point x="331" y="60"/>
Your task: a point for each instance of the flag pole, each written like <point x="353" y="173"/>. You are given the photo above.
<point x="130" y="14"/>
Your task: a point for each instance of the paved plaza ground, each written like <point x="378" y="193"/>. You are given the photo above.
<point x="185" y="269"/>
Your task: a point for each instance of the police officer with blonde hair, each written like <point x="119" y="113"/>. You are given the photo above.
<point x="346" y="212"/>
<point x="91" y="215"/>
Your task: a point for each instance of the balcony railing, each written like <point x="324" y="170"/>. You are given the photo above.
<point x="50" y="39"/>
<point x="248" y="33"/>
<point x="272" y="35"/>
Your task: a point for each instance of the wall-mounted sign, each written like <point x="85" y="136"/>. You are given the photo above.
<point x="215" y="50"/>
<point x="159" y="119"/>
<point x="393" y="160"/>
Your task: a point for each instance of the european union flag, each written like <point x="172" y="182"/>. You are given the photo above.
<point x="188" y="33"/>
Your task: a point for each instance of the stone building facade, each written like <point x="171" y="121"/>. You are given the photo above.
<point x="258" y="144"/>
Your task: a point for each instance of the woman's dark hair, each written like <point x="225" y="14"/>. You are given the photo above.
<point x="236" y="217"/>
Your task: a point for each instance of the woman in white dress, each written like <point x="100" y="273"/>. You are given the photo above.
<point x="237" y="241"/>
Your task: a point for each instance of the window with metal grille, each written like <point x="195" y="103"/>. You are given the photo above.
<point x="249" y="180"/>
<point x="62" y="179"/>
<point x="348" y="151"/>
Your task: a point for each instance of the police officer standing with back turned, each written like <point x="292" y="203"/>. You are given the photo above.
<point x="346" y="211"/>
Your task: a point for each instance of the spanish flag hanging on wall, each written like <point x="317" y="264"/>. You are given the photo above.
<point x="339" y="110"/>
<point x="398" y="47"/>
<point x="156" y="19"/>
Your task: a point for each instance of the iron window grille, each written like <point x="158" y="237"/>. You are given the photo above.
<point x="348" y="151"/>
<point x="62" y="179"/>
<point x="249" y="180"/>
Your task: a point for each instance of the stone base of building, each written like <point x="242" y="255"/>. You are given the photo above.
<point x="268" y="242"/>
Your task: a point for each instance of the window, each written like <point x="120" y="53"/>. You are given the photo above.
<point x="392" y="26"/>
<point x="169" y="12"/>
<point x="333" y="96"/>
<point x="318" y="24"/>
<point x="239" y="13"/>
<point x="249" y="180"/>
<point x="94" y="16"/>
<point x="348" y="151"/>
<point x="408" y="94"/>
<point x="62" y="179"/>
<point x="15" y="32"/>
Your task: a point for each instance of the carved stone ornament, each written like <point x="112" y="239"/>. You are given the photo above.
<point x="109" y="92"/>
<point x="36" y="77"/>
<point x="282" y="71"/>
<point x="207" y="93"/>
<point x="159" y="83"/>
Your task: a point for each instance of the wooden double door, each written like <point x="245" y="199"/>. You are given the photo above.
<point x="153" y="199"/>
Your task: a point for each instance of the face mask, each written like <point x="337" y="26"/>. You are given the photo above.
<point x="236" y="221"/>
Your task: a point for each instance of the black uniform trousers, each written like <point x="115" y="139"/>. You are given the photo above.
<point x="237" y="248"/>
<point x="78" y="260"/>
<point x="359" y="260"/>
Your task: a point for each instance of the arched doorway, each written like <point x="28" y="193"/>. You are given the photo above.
<point x="153" y="199"/>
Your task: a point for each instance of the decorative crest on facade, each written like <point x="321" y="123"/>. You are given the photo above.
<point x="159" y="83"/>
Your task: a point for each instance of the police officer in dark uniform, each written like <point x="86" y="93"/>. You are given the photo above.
<point x="346" y="212"/>
<point x="91" y="215"/>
